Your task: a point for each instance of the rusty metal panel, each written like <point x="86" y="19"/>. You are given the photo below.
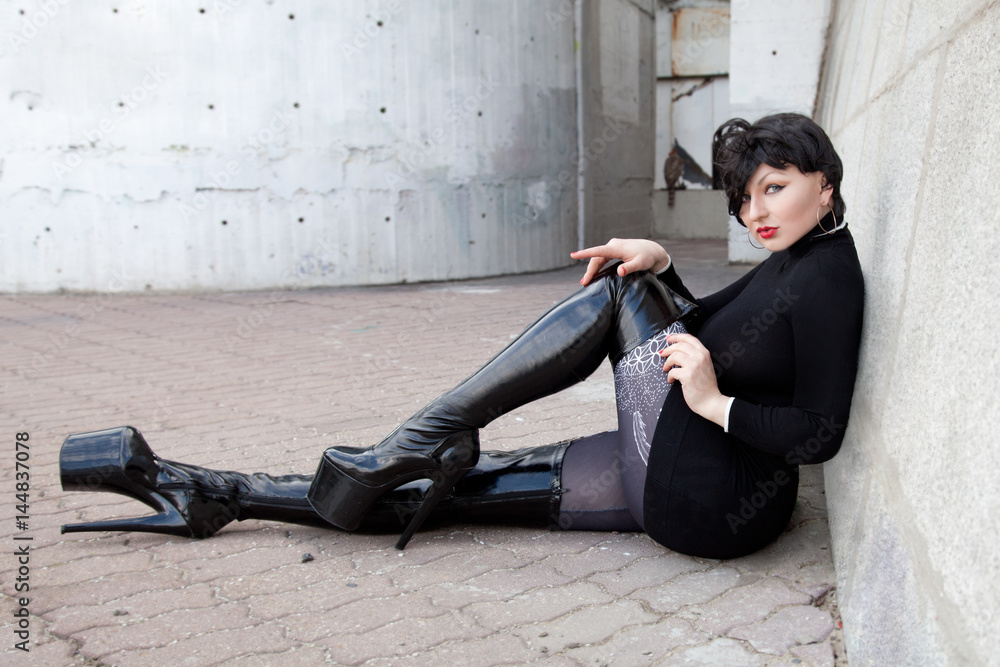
<point x="691" y="110"/>
<point x="700" y="44"/>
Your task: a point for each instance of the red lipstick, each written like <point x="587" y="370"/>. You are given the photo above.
<point x="766" y="232"/>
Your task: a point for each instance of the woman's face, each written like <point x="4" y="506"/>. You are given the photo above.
<point x="780" y="205"/>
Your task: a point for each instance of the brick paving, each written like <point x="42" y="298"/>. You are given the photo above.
<point x="266" y="381"/>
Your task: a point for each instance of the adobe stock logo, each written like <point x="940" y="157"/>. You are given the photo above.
<point x="32" y="24"/>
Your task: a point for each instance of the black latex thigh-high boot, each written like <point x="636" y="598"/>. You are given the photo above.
<point x="520" y="487"/>
<point x="190" y="501"/>
<point x="608" y="317"/>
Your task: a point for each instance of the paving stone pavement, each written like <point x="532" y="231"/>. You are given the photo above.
<point x="266" y="381"/>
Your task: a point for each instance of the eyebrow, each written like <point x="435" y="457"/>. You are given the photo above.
<point x="762" y="178"/>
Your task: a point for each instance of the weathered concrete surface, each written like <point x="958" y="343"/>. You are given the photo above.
<point x="913" y="495"/>
<point x="288" y="143"/>
<point x="617" y="100"/>
<point x="696" y="214"/>
<point x="267" y="380"/>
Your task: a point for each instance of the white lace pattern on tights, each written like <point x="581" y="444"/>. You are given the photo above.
<point x="640" y="388"/>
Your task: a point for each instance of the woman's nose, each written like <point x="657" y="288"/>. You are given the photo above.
<point x="754" y="210"/>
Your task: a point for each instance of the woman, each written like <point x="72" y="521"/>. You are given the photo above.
<point x="765" y="366"/>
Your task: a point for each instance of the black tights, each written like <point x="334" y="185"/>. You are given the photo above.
<point x="604" y="475"/>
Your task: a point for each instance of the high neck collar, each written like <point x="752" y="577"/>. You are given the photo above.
<point x="823" y="232"/>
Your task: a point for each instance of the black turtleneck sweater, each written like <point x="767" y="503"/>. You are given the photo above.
<point x="784" y="340"/>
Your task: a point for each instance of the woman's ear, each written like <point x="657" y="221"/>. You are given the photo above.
<point x="827" y="192"/>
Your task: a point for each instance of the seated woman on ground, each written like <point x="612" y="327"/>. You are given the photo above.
<point x="719" y="399"/>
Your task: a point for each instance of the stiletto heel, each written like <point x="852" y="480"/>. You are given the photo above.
<point x="189" y="501"/>
<point x="118" y="460"/>
<point x="452" y="460"/>
<point x="167" y="520"/>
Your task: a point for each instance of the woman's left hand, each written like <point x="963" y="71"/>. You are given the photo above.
<point x="636" y="255"/>
<point x="689" y="362"/>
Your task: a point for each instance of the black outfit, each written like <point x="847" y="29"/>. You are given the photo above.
<point x="784" y="340"/>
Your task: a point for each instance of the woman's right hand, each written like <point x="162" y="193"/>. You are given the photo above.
<point x="636" y="255"/>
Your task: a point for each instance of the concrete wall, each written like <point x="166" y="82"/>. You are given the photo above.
<point x="696" y="214"/>
<point x="617" y="100"/>
<point x="289" y="143"/>
<point x="776" y="49"/>
<point x="911" y="95"/>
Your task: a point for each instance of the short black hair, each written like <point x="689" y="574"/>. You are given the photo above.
<point x="780" y="140"/>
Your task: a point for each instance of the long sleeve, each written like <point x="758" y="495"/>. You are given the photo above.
<point x="825" y="313"/>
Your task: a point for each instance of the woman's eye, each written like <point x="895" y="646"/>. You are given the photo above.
<point x="746" y="198"/>
<point x="774" y="188"/>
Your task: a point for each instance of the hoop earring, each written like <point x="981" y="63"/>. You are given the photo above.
<point x="759" y="247"/>
<point x="820" y="224"/>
